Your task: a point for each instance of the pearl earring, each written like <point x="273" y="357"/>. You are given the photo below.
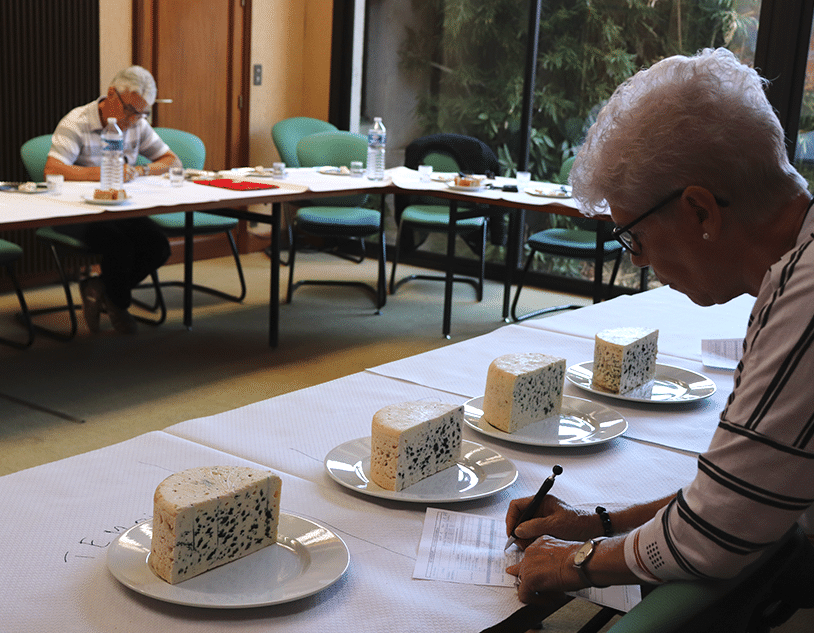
<point x="706" y="236"/>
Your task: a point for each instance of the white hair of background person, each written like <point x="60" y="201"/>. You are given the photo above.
<point x="703" y="120"/>
<point x="136" y="79"/>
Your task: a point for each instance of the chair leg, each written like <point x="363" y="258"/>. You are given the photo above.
<point x="395" y="260"/>
<point x="24" y="316"/>
<point x="69" y="304"/>
<point x="158" y="306"/>
<point x="292" y="250"/>
<point x="535" y="313"/>
<point x="482" y="261"/>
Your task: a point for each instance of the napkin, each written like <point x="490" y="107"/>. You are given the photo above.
<point x="236" y="185"/>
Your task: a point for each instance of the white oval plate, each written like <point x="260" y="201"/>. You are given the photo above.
<point x="481" y="472"/>
<point x="581" y="422"/>
<point x="306" y="559"/>
<point x="107" y="203"/>
<point x="334" y="171"/>
<point x="13" y="187"/>
<point x="549" y="191"/>
<point x="671" y="385"/>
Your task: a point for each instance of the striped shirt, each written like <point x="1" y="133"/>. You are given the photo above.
<point x="757" y="477"/>
<point x="77" y="139"/>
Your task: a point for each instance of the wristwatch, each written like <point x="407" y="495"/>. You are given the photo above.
<point x="583" y="555"/>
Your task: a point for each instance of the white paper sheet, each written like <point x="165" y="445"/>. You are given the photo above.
<point x="722" y="353"/>
<point x="466" y="548"/>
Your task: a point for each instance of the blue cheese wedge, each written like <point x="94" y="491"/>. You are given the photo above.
<point x="206" y="517"/>
<point x="624" y="358"/>
<point x="413" y="440"/>
<point x="522" y="389"/>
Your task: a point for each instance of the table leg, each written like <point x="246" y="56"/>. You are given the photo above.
<point x="513" y="246"/>
<point x="599" y="260"/>
<point x="189" y="242"/>
<point x="274" y="296"/>
<point x="453" y="219"/>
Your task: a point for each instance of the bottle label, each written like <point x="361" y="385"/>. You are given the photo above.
<point x="376" y="138"/>
<point x="112" y="144"/>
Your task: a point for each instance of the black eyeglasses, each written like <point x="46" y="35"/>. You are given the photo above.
<point x="623" y="235"/>
<point x="129" y="111"/>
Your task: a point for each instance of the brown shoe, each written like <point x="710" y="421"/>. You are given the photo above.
<point x="123" y="322"/>
<point x="92" y="291"/>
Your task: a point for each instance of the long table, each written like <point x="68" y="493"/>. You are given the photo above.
<point x="154" y="195"/>
<point x="60" y="519"/>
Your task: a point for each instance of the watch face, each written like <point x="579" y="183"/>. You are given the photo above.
<point x="583" y="553"/>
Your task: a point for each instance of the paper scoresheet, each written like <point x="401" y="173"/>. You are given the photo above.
<point x="467" y="548"/>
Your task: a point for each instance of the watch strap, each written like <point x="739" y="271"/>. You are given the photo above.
<point x="582" y="568"/>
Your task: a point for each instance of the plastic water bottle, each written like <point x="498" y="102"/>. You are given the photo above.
<point x="376" y="141"/>
<point x="112" y="175"/>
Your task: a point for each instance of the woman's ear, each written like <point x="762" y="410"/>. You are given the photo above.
<point x="701" y="204"/>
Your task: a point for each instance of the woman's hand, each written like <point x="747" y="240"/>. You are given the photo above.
<point x="547" y="567"/>
<point x="555" y="518"/>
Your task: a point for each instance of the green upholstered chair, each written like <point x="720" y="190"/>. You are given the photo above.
<point x="192" y="152"/>
<point x="418" y="215"/>
<point x="337" y="219"/>
<point x="10" y="254"/>
<point x="579" y="242"/>
<point x="34" y="154"/>
<point x="287" y="134"/>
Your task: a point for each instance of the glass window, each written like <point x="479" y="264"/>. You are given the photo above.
<point x="458" y="66"/>
<point x="804" y="154"/>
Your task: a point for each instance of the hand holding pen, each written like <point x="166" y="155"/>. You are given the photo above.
<point x="534" y="506"/>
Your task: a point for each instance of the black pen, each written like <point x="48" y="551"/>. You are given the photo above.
<point x="531" y="509"/>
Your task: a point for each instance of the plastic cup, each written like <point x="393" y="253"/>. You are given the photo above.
<point x="425" y="171"/>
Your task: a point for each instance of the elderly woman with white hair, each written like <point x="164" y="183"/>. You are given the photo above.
<point x="131" y="249"/>
<point x="689" y="159"/>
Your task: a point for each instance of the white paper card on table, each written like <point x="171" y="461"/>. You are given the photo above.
<point x="722" y="353"/>
<point x="464" y="548"/>
<point x="468" y="549"/>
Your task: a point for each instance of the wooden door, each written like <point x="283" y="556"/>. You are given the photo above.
<point x="197" y="51"/>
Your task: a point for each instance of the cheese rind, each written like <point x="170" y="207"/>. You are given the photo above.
<point x="624" y="358"/>
<point x="209" y="516"/>
<point x="522" y="389"/>
<point x="413" y="440"/>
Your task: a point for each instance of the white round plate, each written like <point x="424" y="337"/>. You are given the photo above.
<point x="306" y="559"/>
<point x="671" y="385"/>
<point x="442" y="177"/>
<point x="107" y="203"/>
<point x="13" y="187"/>
<point x="455" y="187"/>
<point x="333" y="171"/>
<point x="581" y="422"/>
<point x="549" y="191"/>
<point x="480" y="472"/>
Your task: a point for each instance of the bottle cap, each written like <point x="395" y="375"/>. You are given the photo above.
<point x="111" y="119"/>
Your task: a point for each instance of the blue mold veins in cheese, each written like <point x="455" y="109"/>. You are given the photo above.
<point x="522" y="389"/>
<point x="413" y="440"/>
<point x="624" y="358"/>
<point x="206" y="517"/>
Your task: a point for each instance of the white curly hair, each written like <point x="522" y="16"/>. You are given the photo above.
<point x="136" y="79"/>
<point x="702" y="120"/>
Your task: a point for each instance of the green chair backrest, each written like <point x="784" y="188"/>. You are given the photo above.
<point x="287" y="133"/>
<point x="188" y="147"/>
<point x="336" y="149"/>
<point x="34" y="153"/>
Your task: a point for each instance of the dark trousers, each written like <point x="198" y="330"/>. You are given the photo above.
<point x="131" y="249"/>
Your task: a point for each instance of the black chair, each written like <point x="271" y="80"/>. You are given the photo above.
<point x="10" y="254"/>
<point x="418" y="215"/>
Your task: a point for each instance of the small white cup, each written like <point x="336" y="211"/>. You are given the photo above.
<point x="55" y="182"/>
<point x="523" y="179"/>
<point x="176" y="176"/>
<point x="278" y="170"/>
<point x="425" y="171"/>
<point x="357" y="168"/>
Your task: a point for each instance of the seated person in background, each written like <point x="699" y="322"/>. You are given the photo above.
<point x="131" y="249"/>
<point x="690" y="160"/>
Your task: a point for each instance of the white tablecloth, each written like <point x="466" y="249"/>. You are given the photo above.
<point x="59" y="519"/>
